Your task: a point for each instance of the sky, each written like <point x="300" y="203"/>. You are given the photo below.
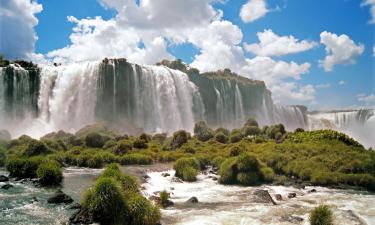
<point x="318" y="53"/>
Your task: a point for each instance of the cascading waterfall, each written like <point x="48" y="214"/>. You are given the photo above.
<point x="137" y="98"/>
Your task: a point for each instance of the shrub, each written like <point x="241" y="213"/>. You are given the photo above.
<point x="235" y="136"/>
<point x="127" y="182"/>
<point x="217" y="161"/>
<point x="164" y="197"/>
<point x="321" y="215"/>
<point x="122" y="147"/>
<point x="142" y="212"/>
<point x="235" y="151"/>
<point x="221" y="138"/>
<point x="135" y="159"/>
<point x="251" y="122"/>
<point x="202" y="131"/>
<point x="49" y="173"/>
<point x="95" y="161"/>
<point x="186" y="168"/>
<point x="299" y="130"/>
<point x="106" y="201"/>
<point x="94" y="140"/>
<point x="275" y="131"/>
<point x="145" y="137"/>
<point x="160" y="137"/>
<point x="222" y="130"/>
<point x="228" y="171"/>
<point x="179" y="138"/>
<point x="23" y="167"/>
<point x="251" y="131"/>
<point x="140" y="143"/>
<point x="267" y="174"/>
<point x="35" y="148"/>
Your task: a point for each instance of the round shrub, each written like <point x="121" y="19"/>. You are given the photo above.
<point x="142" y="212"/>
<point x="222" y="130"/>
<point x="267" y="174"/>
<point x="140" y="143"/>
<point x="186" y="168"/>
<point x="122" y="147"/>
<point x="164" y="197"/>
<point x="94" y="140"/>
<point x="251" y="122"/>
<point x="49" y="173"/>
<point x="298" y="130"/>
<point x="95" y="161"/>
<point x="128" y="183"/>
<point x="35" y="148"/>
<point x="228" y="171"/>
<point x="235" y="136"/>
<point x="145" y="137"/>
<point x="189" y="174"/>
<point x="160" y="137"/>
<point x="106" y="201"/>
<point x="217" y="161"/>
<point x="246" y="162"/>
<point x="221" y="138"/>
<point x="179" y="138"/>
<point x="321" y="215"/>
<point x="235" y="151"/>
<point x="23" y="167"/>
<point x="251" y="131"/>
<point x="248" y="178"/>
<point x="202" y="131"/>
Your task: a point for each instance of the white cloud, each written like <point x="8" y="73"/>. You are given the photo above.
<point x="253" y="10"/>
<point x="273" y="45"/>
<point x="17" y="22"/>
<point x="326" y="85"/>
<point x="292" y="93"/>
<point x="342" y="82"/>
<point x="367" y="100"/>
<point x="340" y="50"/>
<point x="370" y="3"/>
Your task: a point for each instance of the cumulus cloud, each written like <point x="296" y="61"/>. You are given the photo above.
<point x="340" y="50"/>
<point x="367" y="100"/>
<point x="288" y="92"/>
<point x="342" y="82"/>
<point x="271" y="44"/>
<point x="370" y="3"/>
<point x="17" y="22"/>
<point x="326" y="85"/>
<point x="253" y="10"/>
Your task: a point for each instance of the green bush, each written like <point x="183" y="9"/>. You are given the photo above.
<point x="23" y="167"/>
<point x="222" y="130"/>
<point x="186" y="168"/>
<point x="122" y="147"/>
<point x="221" y="138"/>
<point x="164" y="197"/>
<point x="202" y="131"/>
<point x="160" y="137"/>
<point x="106" y="201"/>
<point x="217" y="161"/>
<point x="251" y="131"/>
<point x="142" y="211"/>
<point x="127" y="182"/>
<point x="35" y="148"/>
<point x="94" y="140"/>
<point x="135" y="159"/>
<point x="235" y="151"/>
<point x="235" y="136"/>
<point x="321" y="215"/>
<point x="49" y="173"/>
<point x="251" y="122"/>
<point x="179" y="138"/>
<point x="140" y="143"/>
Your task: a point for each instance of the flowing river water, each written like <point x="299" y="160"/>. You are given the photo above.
<point x="218" y="204"/>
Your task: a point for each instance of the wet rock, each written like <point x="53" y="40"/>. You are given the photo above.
<point x="312" y="191"/>
<point x="263" y="196"/>
<point x="34" y="199"/>
<point x="214" y="178"/>
<point x="146" y="177"/>
<point x="278" y="197"/>
<point x="192" y="200"/>
<point x="172" y="188"/>
<point x="292" y="195"/>
<point x="4" y="178"/>
<point x="167" y="203"/>
<point x="177" y="180"/>
<point x="6" y="186"/>
<point x="59" y="197"/>
<point x="81" y="216"/>
<point x="165" y="174"/>
<point x="291" y="219"/>
<point x="154" y="198"/>
<point x="75" y="206"/>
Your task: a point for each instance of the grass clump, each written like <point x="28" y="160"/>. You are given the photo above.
<point x="49" y="173"/>
<point x="187" y="168"/>
<point x="321" y="215"/>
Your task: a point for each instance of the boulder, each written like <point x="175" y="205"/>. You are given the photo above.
<point x="4" y="178"/>
<point x="6" y="186"/>
<point x="81" y="216"/>
<point x="292" y="195"/>
<point x="165" y="174"/>
<point x="278" y="197"/>
<point x="146" y="177"/>
<point x="312" y="191"/>
<point x="34" y="199"/>
<point x="60" y="197"/>
<point x="75" y="206"/>
<point x="263" y="196"/>
<point x="192" y="200"/>
<point x="167" y="203"/>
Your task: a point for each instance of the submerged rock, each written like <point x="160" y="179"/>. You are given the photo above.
<point x="59" y="197"/>
<point x="82" y="216"/>
<point x="4" y="178"/>
<point x="312" y="191"/>
<point x="192" y="200"/>
<point x="34" y="199"/>
<point x="263" y="196"/>
<point x="75" y="206"/>
<point x="6" y="186"/>
<point x="165" y="174"/>
<point x="291" y="219"/>
<point x="167" y="203"/>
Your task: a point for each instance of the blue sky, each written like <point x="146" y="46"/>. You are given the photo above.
<point x="126" y="33"/>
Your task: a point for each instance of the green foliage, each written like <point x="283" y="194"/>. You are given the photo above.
<point x="217" y="161"/>
<point x="320" y="135"/>
<point x="94" y="140"/>
<point x="225" y="131"/>
<point x="142" y="211"/>
<point x="140" y="143"/>
<point x="275" y="131"/>
<point x="49" y="173"/>
<point x="164" y="197"/>
<point x="244" y="169"/>
<point x="221" y="138"/>
<point x="127" y="182"/>
<point x="160" y="137"/>
<point x="202" y="131"/>
<point x="187" y="168"/>
<point x="35" y="148"/>
<point x="23" y="167"/>
<point x="321" y="215"/>
<point x="235" y="136"/>
<point x="251" y="122"/>
<point x="135" y="159"/>
<point x="251" y="130"/>
<point x="179" y="138"/>
<point x="122" y="147"/>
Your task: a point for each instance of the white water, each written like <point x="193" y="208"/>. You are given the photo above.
<point x="225" y="205"/>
